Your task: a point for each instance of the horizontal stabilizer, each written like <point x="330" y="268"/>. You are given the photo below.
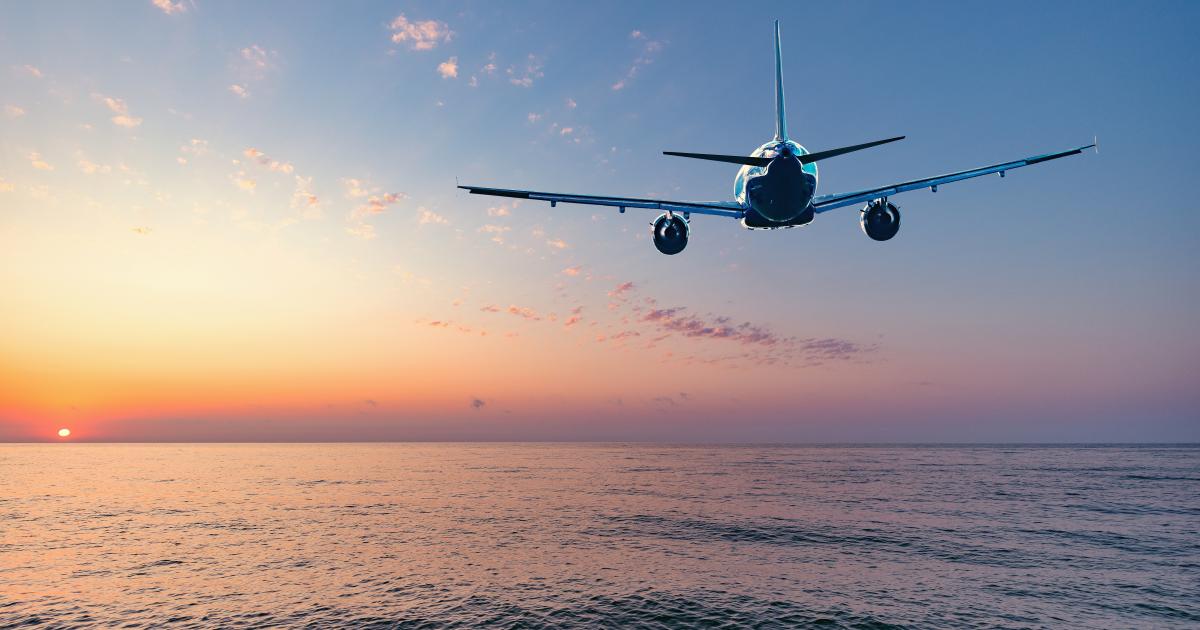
<point x="821" y="155"/>
<point x="732" y="159"/>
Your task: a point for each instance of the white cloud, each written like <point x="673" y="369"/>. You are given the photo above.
<point x="89" y="167"/>
<point x="126" y="121"/>
<point x="647" y="56"/>
<point x="12" y="111"/>
<point x="497" y="211"/>
<point x="239" y="90"/>
<point x="448" y="68"/>
<point x="571" y="104"/>
<point x="426" y="217"/>
<point x="532" y="70"/>
<point x="32" y="71"/>
<point x="424" y="35"/>
<point x="257" y="57"/>
<point x="355" y="188"/>
<point x="169" y="7"/>
<point x="557" y="243"/>
<point x="36" y="161"/>
<point x="533" y="117"/>
<point x="120" y="109"/>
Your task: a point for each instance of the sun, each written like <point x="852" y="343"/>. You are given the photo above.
<point x="64" y="432"/>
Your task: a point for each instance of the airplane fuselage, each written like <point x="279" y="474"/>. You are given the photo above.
<point x="779" y="194"/>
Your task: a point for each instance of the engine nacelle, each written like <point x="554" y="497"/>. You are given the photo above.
<point x="880" y="220"/>
<point x="671" y="233"/>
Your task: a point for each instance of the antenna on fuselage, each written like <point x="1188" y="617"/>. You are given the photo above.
<point x="781" y="133"/>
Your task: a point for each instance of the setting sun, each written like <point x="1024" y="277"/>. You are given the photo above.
<point x="64" y="433"/>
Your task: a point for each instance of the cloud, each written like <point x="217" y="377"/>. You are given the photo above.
<point x="126" y="121"/>
<point x="355" y="188"/>
<point x="120" y="109"/>
<point x="141" y="230"/>
<point x="490" y="308"/>
<point x="305" y="200"/>
<point x="523" y="312"/>
<point x="498" y="211"/>
<point x="424" y="35"/>
<point x="477" y="403"/>
<point x="648" y="53"/>
<point x="621" y="289"/>
<point x="168" y="7"/>
<point x="497" y="232"/>
<point x="531" y="71"/>
<point x="245" y="183"/>
<point x="32" y="71"/>
<point x="571" y="104"/>
<point x="239" y="90"/>
<point x="426" y="217"/>
<point x="566" y="131"/>
<point x="89" y="167"/>
<point x="258" y="58"/>
<point x="12" y="111"/>
<point x="36" y="161"/>
<point x="557" y="243"/>
<point x="377" y="204"/>
<point x="361" y="230"/>
<point x="572" y="271"/>
<point x="272" y="165"/>
<point x="448" y="68"/>
<point x="533" y="117"/>
<point x="5" y="186"/>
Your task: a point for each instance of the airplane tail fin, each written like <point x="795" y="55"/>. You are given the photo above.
<point x="781" y="132"/>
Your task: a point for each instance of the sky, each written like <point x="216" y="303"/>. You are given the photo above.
<point x="229" y="221"/>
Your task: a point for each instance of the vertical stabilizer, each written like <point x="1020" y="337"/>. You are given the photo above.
<point x="781" y="132"/>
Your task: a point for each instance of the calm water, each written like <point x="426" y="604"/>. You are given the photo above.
<point x="613" y="535"/>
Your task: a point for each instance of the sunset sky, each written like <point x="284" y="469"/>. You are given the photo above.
<point x="239" y="221"/>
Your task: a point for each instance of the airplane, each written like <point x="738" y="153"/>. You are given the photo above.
<point x="776" y="187"/>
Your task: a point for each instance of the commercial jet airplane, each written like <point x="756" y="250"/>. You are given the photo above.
<point x="776" y="187"/>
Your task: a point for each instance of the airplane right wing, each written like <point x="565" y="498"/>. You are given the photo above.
<point x="825" y="203"/>
<point x="729" y="209"/>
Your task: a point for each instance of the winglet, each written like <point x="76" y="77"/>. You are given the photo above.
<point x="781" y="132"/>
<point x="1096" y="144"/>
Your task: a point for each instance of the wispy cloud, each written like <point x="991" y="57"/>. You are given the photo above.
<point x="32" y="71"/>
<point x="426" y="216"/>
<point x="12" y="111"/>
<point x="36" y="161"/>
<point x="117" y="106"/>
<point x="621" y="289"/>
<point x="422" y="35"/>
<point x="272" y="165"/>
<point x="648" y="52"/>
<point x="448" y="68"/>
<point x="557" y="243"/>
<point x="525" y="76"/>
<point x="572" y="271"/>
<point x="239" y="90"/>
<point x="168" y="7"/>
<point x="89" y="167"/>
<point x="523" y="312"/>
<point x="497" y="232"/>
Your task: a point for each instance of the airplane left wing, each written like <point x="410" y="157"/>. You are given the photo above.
<point x="729" y="209"/>
<point x="825" y="203"/>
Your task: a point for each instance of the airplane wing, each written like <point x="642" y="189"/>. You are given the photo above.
<point x="824" y="203"/>
<point x="729" y="209"/>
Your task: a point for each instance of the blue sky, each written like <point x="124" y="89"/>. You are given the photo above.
<point x="188" y="138"/>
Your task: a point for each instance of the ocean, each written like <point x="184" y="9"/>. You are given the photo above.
<point x="586" y="535"/>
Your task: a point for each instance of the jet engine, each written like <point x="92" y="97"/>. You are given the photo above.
<point x="880" y="220"/>
<point x="671" y="233"/>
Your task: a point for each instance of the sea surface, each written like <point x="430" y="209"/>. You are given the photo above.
<point x="623" y="536"/>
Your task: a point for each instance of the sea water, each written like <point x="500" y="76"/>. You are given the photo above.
<point x="613" y="535"/>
